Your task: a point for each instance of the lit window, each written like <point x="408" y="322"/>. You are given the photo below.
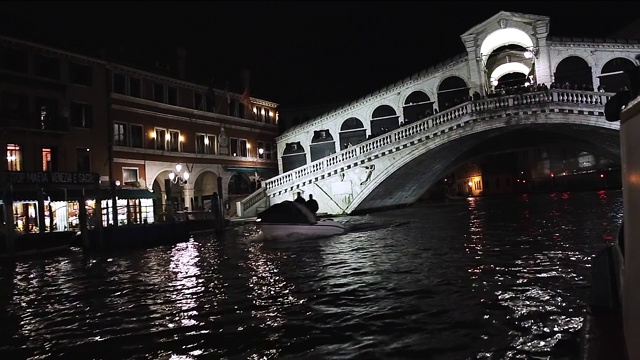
<point x="46" y="159"/>
<point x="129" y="175"/>
<point x="14" y="157"/>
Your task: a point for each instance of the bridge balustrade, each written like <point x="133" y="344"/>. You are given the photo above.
<point x="586" y="100"/>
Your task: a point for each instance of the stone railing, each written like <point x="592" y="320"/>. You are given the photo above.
<point x="580" y="100"/>
<point x="251" y="200"/>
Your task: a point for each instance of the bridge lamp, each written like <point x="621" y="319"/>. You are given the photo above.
<point x="528" y="54"/>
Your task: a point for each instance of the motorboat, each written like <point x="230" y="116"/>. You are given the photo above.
<point x="292" y="221"/>
<point x="319" y="229"/>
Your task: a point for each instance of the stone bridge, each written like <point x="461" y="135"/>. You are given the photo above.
<point x="386" y="148"/>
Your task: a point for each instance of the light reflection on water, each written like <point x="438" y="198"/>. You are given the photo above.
<point x="476" y="279"/>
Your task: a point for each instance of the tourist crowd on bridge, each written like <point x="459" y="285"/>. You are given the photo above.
<point x="499" y="91"/>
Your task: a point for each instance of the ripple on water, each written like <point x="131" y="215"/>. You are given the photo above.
<point x="482" y="279"/>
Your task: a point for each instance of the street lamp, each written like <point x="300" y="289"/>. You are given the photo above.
<point x="179" y="177"/>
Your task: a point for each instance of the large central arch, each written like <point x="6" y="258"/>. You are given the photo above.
<point x="418" y="170"/>
<point x="501" y="37"/>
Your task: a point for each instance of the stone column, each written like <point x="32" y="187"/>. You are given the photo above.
<point x="187" y="194"/>
<point x="477" y="76"/>
<point x="544" y="71"/>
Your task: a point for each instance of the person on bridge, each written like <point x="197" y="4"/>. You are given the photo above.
<point x="312" y="205"/>
<point x="300" y="199"/>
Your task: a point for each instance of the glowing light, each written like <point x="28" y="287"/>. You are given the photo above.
<point x="181" y="138"/>
<point x="504" y="37"/>
<point x="508" y="68"/>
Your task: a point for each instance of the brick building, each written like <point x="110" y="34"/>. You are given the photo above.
<point x="65" y="114"/>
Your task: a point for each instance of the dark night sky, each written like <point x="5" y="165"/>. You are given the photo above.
<point x="298" y="53"/>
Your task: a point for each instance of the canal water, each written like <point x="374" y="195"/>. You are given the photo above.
<point x="484" y="278"/>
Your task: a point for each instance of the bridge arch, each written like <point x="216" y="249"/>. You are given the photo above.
<point x="322" y="144"/>
<point x="352" y="132"/>
<point x="501" y="37"/>
<point x="467" y="143"/>
<point x="293" y="156"/>
<point x="574" y="70"/>
<point x="452" y="90"/>
<point x="509" y="68"/>
<point x="416" y="106"/>
<point x="614" y="83"/>
<point x="383" y="119"/>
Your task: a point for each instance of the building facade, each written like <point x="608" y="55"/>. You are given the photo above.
<point x="127" y="134"/>
<point x="161" y="122"/>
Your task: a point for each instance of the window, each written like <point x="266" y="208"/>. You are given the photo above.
<point x="129" y="175"/>
<point x="120" y="134"/>
<point x="119" y="84"/>
<point x="136" y="136"/>
<point x="174" y="140"/>
<point x="172" y="95"/>
<point x="46" y="159"/>
<point x="48" y="112"/>
<point x="210" y="144"/>
<point x="81" y="115"/>
<point x="161" y="139"/>
<point x="135" y="87"/>
<point x="233" y="146"/>
<point x="15" y="107"/>
<point x="83" y="159"/>
<point x="14" y="59"/>
<point x="80" y="74"/>
<point x="158" y="93"/>
<point x="268" y="151"/>
<point x="200" y="139"/>
<point x="199" y="101"/>
<point x="14" y="157"/>
<point x="205" y="144"/>
<point x="243" y="147"/>
<point x="238" y="147"/>
<point x="47" y="67"/>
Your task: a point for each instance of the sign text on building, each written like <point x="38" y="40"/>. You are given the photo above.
<point x="50" y="177"/>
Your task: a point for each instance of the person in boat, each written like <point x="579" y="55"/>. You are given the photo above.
<point x="299" y="199"/>
<point x="312" y="205"/>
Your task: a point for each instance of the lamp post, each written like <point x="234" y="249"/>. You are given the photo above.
<point x="179" y="177"/>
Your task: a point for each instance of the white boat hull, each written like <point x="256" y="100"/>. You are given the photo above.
<point x="292" y="232"/>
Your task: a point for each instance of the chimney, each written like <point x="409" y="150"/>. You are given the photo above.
<point x="182" y="58"/>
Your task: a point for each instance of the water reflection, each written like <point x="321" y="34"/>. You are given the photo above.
<point x="187" y="286"/>
<point x="485" y="278"/>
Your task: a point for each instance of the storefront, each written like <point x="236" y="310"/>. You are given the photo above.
<point x="37" y="202"/>
<point x="134" y="206"/>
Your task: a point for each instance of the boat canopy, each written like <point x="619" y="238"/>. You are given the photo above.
<point x="287" y="212"/>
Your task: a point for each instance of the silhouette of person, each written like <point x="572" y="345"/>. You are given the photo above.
<point x="312" y="205"/>
<point x="300" y="199"/>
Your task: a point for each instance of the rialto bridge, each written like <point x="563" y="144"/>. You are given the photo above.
<point x="386" y="148"/>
